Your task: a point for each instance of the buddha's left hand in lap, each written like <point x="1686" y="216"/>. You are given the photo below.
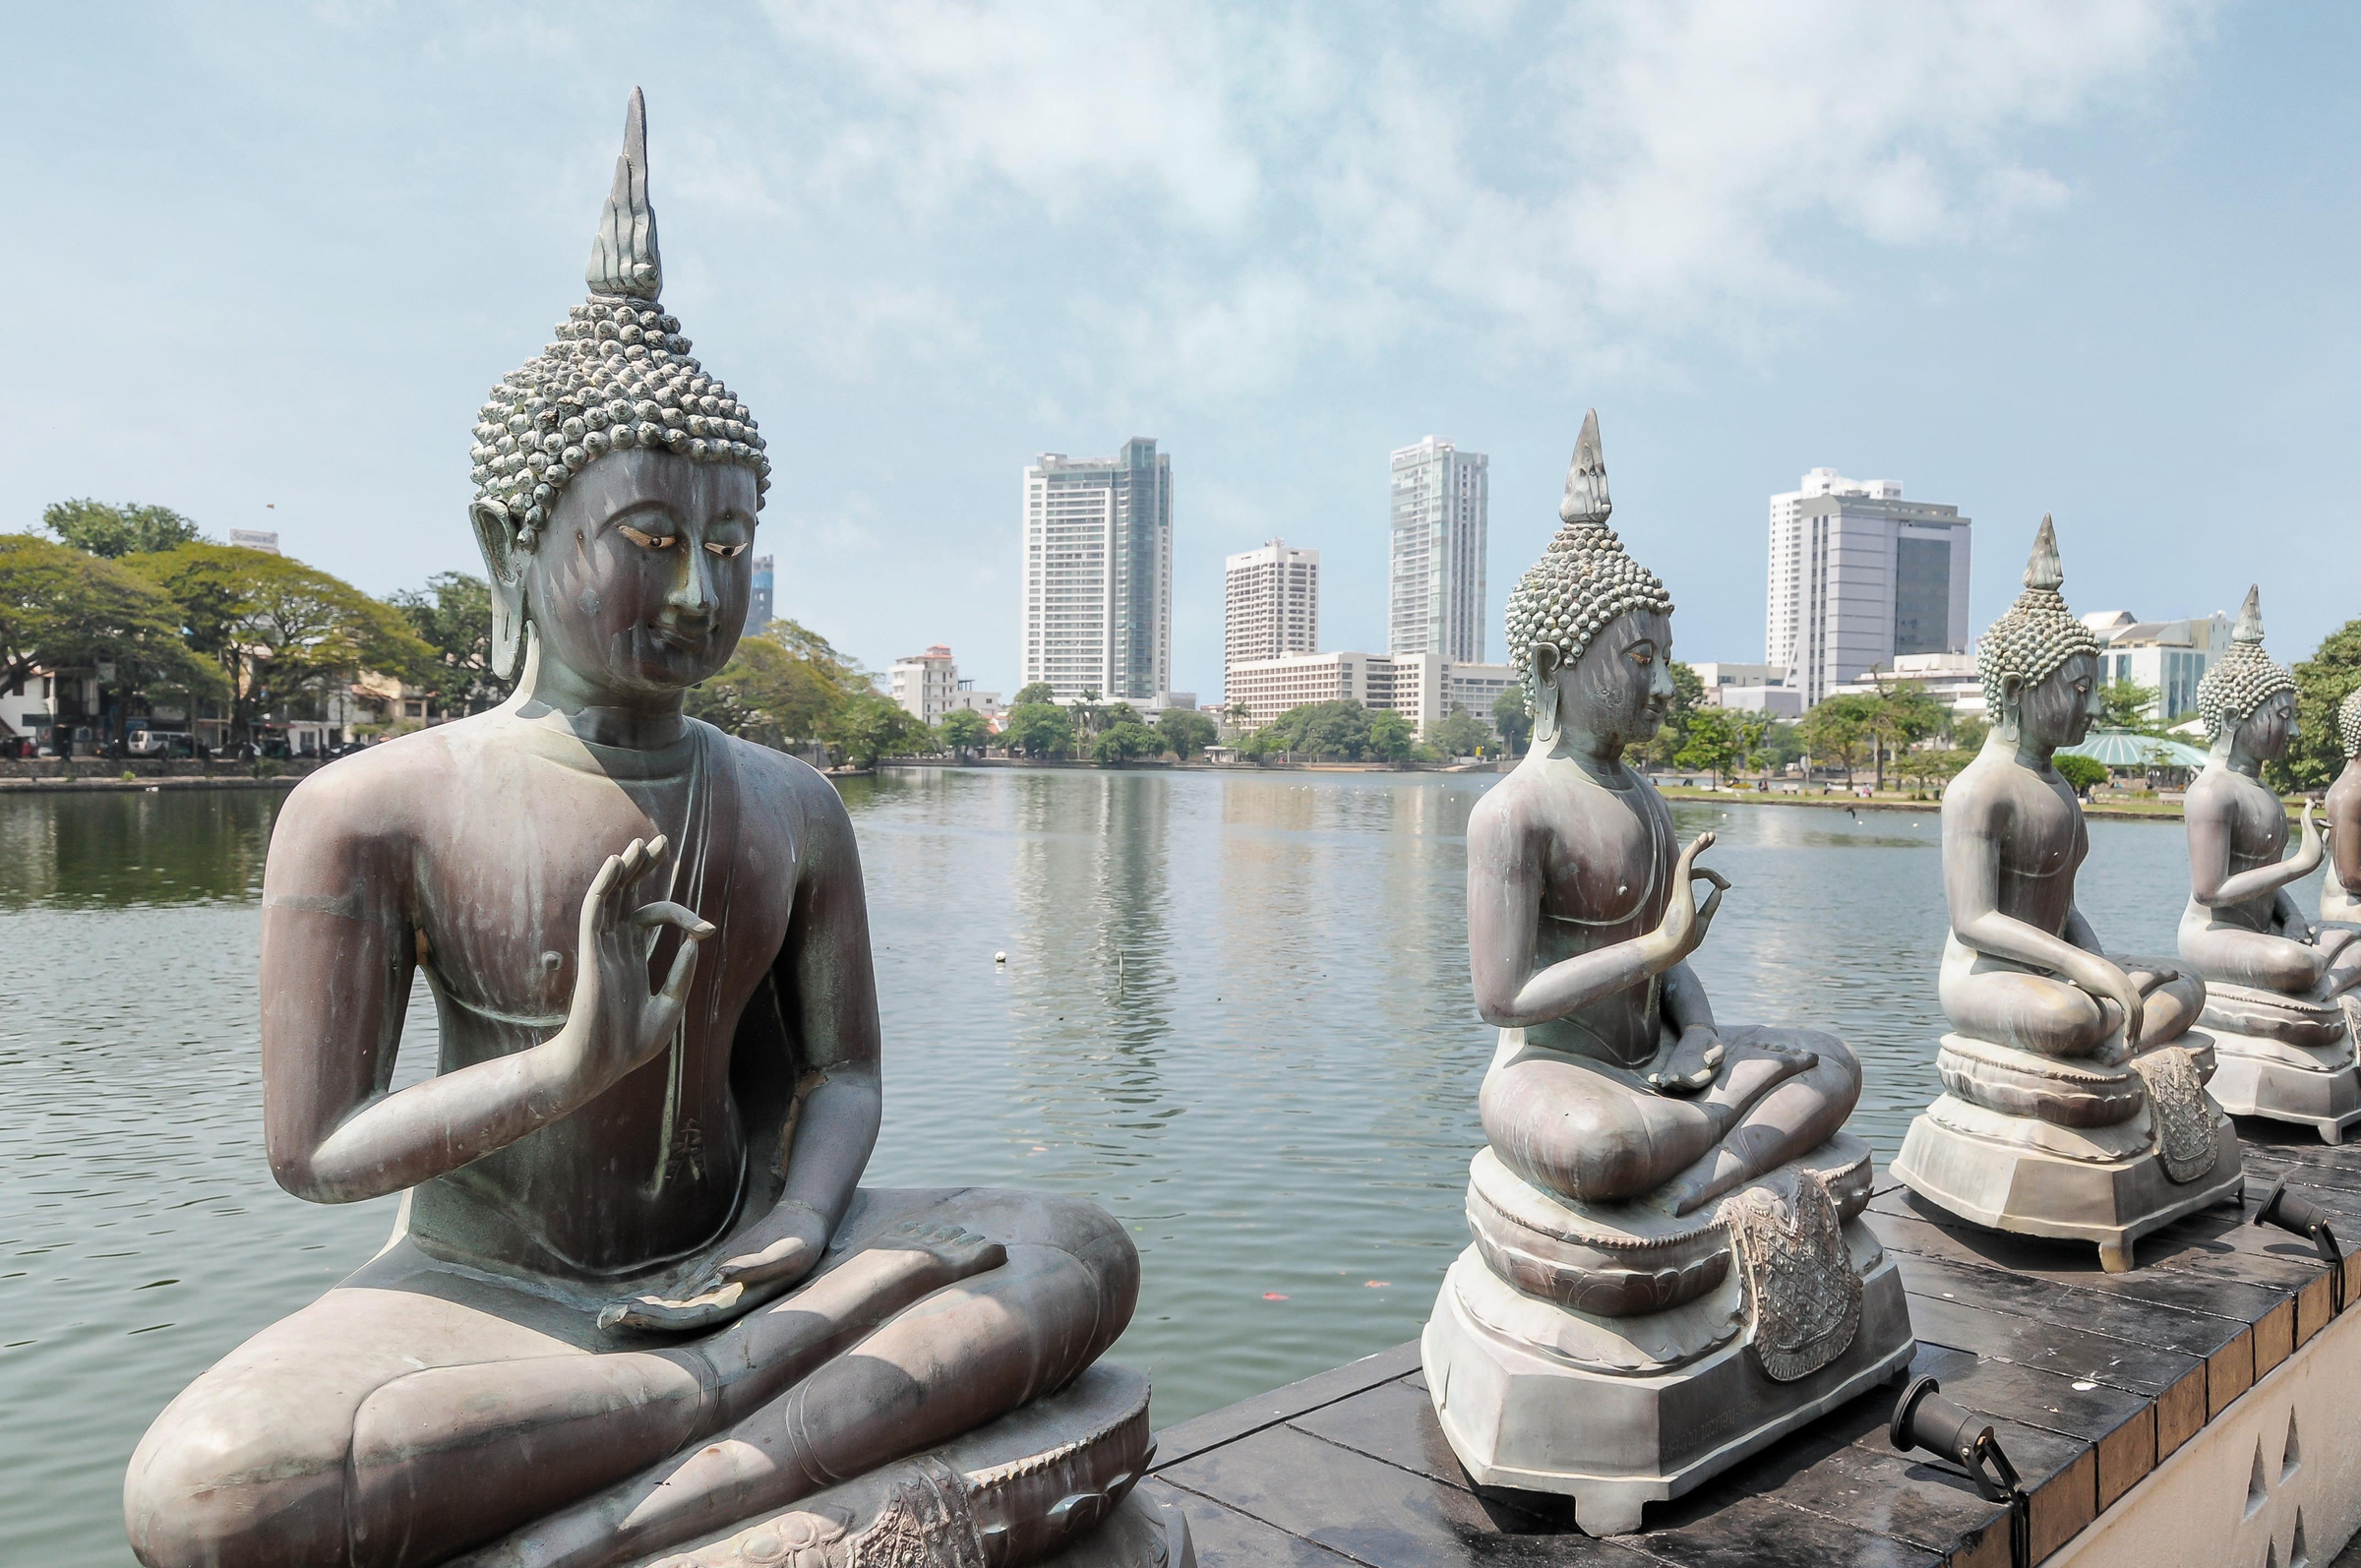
<point x="766" y="1261"/>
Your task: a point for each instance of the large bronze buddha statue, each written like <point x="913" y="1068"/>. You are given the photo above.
<point x="637" y="1303"/>
<point x="2073" y="1103"/>
<point x="2274" y="980"/>
<point x="1667" y="1269"/>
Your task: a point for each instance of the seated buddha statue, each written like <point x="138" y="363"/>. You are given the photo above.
<point x="2274" y="979"/>
<point x="2341" y="888"/>
<point x="637" y="1299"/>
<point x="1667" y="1268"/>
<point x="2068" y="1109"/>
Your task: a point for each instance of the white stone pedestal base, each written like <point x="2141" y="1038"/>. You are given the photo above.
<point x="2026" y="1176"/>
<point x="1524" y="1417"/>
<point x="2314" y="1086"/>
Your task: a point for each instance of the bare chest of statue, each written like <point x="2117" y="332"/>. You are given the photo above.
<point x="2258" y="830"/>
<point x="1609" y="857"/>
<point x="2043" y="843"/>
<point x="655" y="1166"/>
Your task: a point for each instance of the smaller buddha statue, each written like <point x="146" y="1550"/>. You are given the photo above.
<point x="2072" y="1099"/>
<point x="1668" y="1269"/>
<point x="2341" y="888"/>
<point x="2274" y="979"/>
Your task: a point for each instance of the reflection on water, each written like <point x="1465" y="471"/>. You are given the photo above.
<point x="1234" y="1010"/>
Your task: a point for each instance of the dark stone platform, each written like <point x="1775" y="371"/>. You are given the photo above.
<point x="2090" y="1380"/>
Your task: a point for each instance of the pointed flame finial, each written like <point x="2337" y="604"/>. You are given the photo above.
<point x="2043" y="569"/>
<point x="623" y="253"/>
<point x="1585" y="480"/>
<point x="2250" y="618"/>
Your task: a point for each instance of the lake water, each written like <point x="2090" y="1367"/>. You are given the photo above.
<point x="1234" y="1011"/>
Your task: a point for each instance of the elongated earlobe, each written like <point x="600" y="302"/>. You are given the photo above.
<point x="505" y="548"/>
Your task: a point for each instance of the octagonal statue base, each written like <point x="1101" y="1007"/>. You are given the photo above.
<point x="1524" y="1415"/>
<point x="2106" y="1185"/>
<point x="2302" y="1071"/>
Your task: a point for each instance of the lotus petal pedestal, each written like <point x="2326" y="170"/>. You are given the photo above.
<point x="2286" y="1058"/>
<point x="1065" y="1466"/>
<point x="1620" y="1356"/>
<point x="2060" y="1171"/>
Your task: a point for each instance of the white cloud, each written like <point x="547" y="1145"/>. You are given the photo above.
<point x="1239" y="190"/>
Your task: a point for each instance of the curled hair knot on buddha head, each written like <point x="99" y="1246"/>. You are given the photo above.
<point x="1584" y="579"/>
<point x="618" y="378"/>
<point x="2242" y="679"/>
<point x="2348" y="722"/>
<point x="2037" y="633"/>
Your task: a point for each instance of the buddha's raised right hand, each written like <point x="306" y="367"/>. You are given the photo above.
<point x="617" y="1022"/>
<point x="1683" y="926"/>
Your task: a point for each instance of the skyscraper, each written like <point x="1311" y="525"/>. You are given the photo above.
<point x="1097" y="613"/>
<point x="1859" y="576"/>
<point x="1435" y="603"/>
<point x="758" y="607"/>
<point x="1270" y="604"/>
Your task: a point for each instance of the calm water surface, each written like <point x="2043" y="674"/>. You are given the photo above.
<point x="1234" y="1011"/>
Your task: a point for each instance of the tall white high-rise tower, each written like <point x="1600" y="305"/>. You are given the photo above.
<point x="1097" y="613"/>
<point x="1857" y="576"/>
<point x="1270" y="604"/>
<point x="1435" y="603"/>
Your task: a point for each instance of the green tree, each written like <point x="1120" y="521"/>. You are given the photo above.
<point x="2080" y="772"/>
<point x="2317" y="755"/>
<point x="2127" y="705"/>
<point x="1391" y="738"/>
<point x="1086" y="714"/>
<point x="95" y="527"/>
<point x="452" y="617"/>
<point x="1337" y="730"/>
<point x="868" y="725"/>
<point x="1460" y="734"/>
<point x="1039" y="730"/>
<point x="1186" y="732"/>
<point x="280" y="632"/>
<point x="1837" y="731"/>
<point x="1688" y="694"/>
<point x="780" y="686"/>
<point x="965" y="731"/>
<point x="1514" y="722"/>
<point x="1900" y="716"/>
<point x="1967" y="733"/>
<point x="1120" y="742"/>
<point x="1713" y="746"/>
<point x="62" y="609"/>
<point x="1038" y="691"/>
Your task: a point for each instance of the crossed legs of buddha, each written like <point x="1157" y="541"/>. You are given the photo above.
<point x="1600" y="1135"/>
<point x="416" y="1411"/>
<point x="2317" y="972"/>
<point x="2052" y="1017"/>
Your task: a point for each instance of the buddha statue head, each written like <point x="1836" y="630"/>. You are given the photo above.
<point x="2348" y="722"/>
<point x="2248" y="698"/>
<point x="1591" y="629"/>
<point x="618" y="480"/>
<point x="2038" y="664"/>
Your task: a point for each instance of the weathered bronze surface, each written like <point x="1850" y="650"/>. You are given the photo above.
<point x="637" y="1297"/>
<point x="2073" y="1102"/>
<point x="1667" y="1269"/>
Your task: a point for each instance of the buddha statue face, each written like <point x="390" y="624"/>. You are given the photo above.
<point x="2268" y="732"/>
<point x="1618" y="689"/>
<point x="637" y="585"/>
<point x="2059" y="709"/>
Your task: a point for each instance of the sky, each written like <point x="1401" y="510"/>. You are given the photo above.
<point x="2093" y="259"/>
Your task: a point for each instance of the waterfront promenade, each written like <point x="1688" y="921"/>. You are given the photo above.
<point x="2197" y="1411"/>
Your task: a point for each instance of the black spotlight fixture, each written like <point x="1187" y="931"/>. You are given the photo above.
<point x="2307" y="1220"/>
<point x="1924" y="1418"/>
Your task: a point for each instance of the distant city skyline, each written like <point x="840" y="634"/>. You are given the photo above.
<point x="1270" y="604"/>
<point x="1914" y="241"/>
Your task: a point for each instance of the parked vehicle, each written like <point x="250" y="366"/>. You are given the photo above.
<point x="162" y="743"/>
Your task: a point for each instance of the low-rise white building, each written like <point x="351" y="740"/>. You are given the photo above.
<point x="1424" y="688"/>
<point x="2169" y="657"/>
<point x="924" y="685"/>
